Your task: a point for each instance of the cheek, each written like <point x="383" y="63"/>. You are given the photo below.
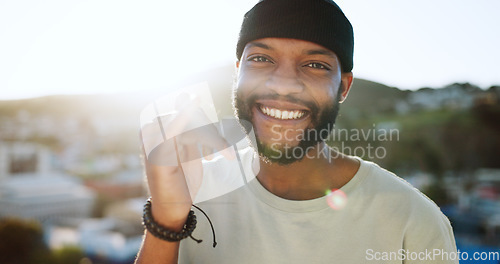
<point x="322" y="85"/>
<point x="324" y="95"/>
<point x="246" y="89"/>
<point x="243" y="83"/>
<point x="250" y="78"/>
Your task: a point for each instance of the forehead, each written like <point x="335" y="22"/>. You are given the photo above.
<point x="290" y="45"/>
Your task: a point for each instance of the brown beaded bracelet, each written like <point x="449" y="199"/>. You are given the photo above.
<point x="162" y="232"/>
<point x="165" y="234"/>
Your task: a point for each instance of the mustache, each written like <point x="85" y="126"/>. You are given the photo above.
<point x="286" y="98"/>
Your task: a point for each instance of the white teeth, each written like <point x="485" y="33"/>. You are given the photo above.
<point x="285" y="115"/>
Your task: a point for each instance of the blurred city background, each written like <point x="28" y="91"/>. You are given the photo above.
<point x="74" y="76"/>
<point x="72" y="186"/>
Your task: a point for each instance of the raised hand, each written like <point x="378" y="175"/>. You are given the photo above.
<point x="173" y="146"/>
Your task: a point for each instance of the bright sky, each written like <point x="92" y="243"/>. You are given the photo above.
<point x="94" y="46"/>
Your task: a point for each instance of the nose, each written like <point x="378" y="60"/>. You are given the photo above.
<point x="285" y="80"/>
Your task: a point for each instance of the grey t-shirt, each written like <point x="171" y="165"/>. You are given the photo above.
<point x="384" y="220"/>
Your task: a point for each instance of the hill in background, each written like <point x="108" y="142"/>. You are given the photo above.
<point x="452" y="128"/>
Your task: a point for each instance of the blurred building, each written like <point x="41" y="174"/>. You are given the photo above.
<point x="17" y="158"/>
<point x="30" y="189"/>
<point x="122" y="185"/>
<point x="477" y="214"/>
<point x="455" y="96"/>
<point x="116" y="237"/>
<point x="43" y="197"/>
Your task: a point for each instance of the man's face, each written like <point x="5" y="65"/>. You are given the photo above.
<point x="287" y="88"/>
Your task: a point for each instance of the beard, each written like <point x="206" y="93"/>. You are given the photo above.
<point x="324" y="120"/>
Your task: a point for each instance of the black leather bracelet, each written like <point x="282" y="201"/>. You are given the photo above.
<point x="164" y="233"/>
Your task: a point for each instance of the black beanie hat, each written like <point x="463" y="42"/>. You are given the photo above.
<point x="318" y="21"/>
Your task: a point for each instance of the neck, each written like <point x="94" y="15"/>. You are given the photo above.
<point x="308" y="178"/>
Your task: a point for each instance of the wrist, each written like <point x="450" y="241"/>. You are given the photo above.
<point x="167" y="233"/>
<point x="170" y="217"/>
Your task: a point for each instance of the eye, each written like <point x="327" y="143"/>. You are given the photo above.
<point x="259" y="59"/>
<point x="317" y="65"/>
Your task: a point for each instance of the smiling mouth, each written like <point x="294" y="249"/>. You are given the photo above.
<point x="281" y="113"/>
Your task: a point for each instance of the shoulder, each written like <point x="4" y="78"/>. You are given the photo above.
<point x="384" y="181"/>
<point x="422" y="215"/>
<point x="422" y="222"/>
<point x="396" y="192"/>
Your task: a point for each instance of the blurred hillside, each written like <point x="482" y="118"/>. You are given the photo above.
<point x="454" y="128"/>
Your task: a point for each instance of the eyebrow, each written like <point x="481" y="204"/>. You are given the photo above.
<point x="260" y="45"/>
<point x="307" y="52"/>
<point x="320" y="52"/>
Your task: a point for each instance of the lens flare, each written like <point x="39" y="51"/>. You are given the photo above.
<point x="336" y="199"/>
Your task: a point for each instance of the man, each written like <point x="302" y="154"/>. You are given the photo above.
<point x="294" y="69"/>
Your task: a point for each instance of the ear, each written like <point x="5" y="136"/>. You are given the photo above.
<point x="237" y="64"/>
<point x="346" y="84"/>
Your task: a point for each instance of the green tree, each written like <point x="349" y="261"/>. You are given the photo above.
<point x="21" y="242"/>
<point x="68" y="255"/>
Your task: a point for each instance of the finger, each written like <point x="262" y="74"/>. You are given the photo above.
<point x="156" y="151"/>
<point x="182" y="119"/>
<point x="218" y="144"/>
<point x="229" y="153"/>
<point x="164" y="154"/>
<point x="151" y="137"/>
<point x="208" y="153"/>
<point x="192" y="169"/>
<point x="206" y="135"/>
<point x="213" y="142"/>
